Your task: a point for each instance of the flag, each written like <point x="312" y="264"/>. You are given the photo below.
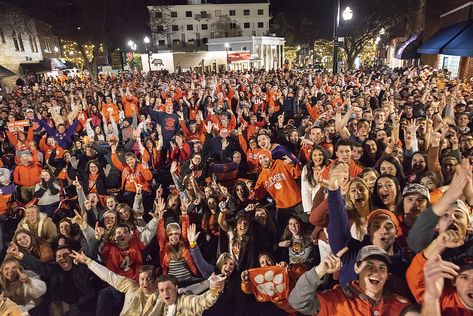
<point x="269" y="283"/>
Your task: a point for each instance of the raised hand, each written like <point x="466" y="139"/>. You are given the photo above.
<point x="159" y="210"/>
<point x="192" y="233"/>
<point x="138" y="187"/>
<point x="77" y="184"/>
<point x="185" y="205"/>
<point x="331" y="263"/>
<point x="99" y="231"/>
<point x="23" y="277"/>
<point x="450" y="239"/>
<point x="79" y="257"/>
<point x="435" y="271"/>
<point x="13" y="250"/>
<point x="79" y="220"/>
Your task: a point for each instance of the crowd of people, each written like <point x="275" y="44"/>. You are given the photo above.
<point x="239" y="193"/>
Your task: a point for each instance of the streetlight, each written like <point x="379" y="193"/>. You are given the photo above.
<point x="346" y="15"/>
<point x="226" y="50"/>
<point x="147" y="40"/>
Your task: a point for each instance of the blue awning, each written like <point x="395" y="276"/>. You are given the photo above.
<point x="461" y="45"/>
<point x="442" y="38"/>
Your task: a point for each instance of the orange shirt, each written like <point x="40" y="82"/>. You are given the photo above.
<point x="450" y="303"/>
<point x="338" y="302"/>
<point x="106" y="115"/>
<point x="279" y="182"/>
<point x="139" y="175"/>
<point x="130" y="106"/>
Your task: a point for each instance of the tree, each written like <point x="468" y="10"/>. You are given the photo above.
<point x="369" y="19"/>
<point x="305" y="21"/>
<point x="90" y="22"/>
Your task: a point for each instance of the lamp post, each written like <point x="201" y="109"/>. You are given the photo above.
<point x="346" y="15"/>
<point x="147" y="40"/>
<point x="226" y="50"/>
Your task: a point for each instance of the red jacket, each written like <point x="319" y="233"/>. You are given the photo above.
<point x="164" y="249"/>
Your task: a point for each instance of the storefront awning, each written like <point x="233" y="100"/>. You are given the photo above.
<point x="462" y="44"/>
<point x="442" y="38"/>
<point x="36" y="68"/>
<point x="241" y="56"/>
<point x="408" y="49"/>
<point x="4" y="72"/>
<point x="53" y="63"/>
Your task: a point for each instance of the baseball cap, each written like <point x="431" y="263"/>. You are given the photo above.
<point x="415" y="188"/>
<point x="372" y="251"/>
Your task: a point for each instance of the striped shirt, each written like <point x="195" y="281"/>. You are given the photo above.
<point x="179" y="269"/>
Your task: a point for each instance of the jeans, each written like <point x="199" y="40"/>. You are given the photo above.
<point x="109" y="302"/>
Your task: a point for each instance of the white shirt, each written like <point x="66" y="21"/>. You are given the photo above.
<point x="171" y="310"/>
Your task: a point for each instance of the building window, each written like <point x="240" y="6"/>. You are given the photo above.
<point x="190" y="27"/>
<point x="20" y="41"/>
<point x="260" y="25"/>
<point x="233" y="26"/>
<point x="161" y="42"/>
<point x="15" y="41"/>
<point x="173" y="14"/>
<point x="232" y="12"/>
<point x="31" y="39"/>
<point x="246" y="25"/>
<point x="218" y="13"/>
<point x="205" y="27"/>
<point x="2" y="36"/>
<point x="188" y="14"/>
<point x="47" y="45"/>
<point x="203" y="14"/>
<point x="158" y="15"/>
<point x="175" y="28"/>
<point x="176" y="43"/>
<point x="260" y="12"/>
<point x="246" y="12"/>
<point x="160" y="28"/>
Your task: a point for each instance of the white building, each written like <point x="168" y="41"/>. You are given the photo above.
<point x="254" y="52"/>
<point x="190" y="26"/>
<point x="26" y="46"/>
<point x="185" y="61"/>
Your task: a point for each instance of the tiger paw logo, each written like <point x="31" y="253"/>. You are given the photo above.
<point x="269" y="283"/>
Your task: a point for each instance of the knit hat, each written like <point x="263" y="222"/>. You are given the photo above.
<point x="386" y="214"/>
<point x="173" y="228"/>
<point x="4" y="176"/>
<point x="266" y="153"/>
<point x="415" y="188"/>
<point x="109" y="212"/>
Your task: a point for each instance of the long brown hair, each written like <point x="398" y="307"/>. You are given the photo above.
<point x="15" y="293"/>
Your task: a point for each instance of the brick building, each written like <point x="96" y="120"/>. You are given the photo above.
<point x="447" y="23"/>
